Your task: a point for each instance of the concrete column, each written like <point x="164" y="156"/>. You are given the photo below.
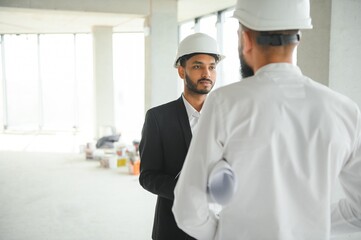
<point x="345" y="61"/>
<point x="161" y="42"/>
<point x="103" y="78"/>
<point x="313" y="54"/>
<point x="2" y="86"/>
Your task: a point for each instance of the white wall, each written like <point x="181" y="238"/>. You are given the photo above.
<point x="314" y="49"/>
<point x="345" y="49"/>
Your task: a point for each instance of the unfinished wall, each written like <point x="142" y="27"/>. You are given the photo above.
<point x="345" y="48"/>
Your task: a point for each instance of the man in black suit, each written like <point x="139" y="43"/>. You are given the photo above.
<point x="168" y="130"/>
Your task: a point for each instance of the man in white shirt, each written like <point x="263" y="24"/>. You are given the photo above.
<point x="286" y="138"/>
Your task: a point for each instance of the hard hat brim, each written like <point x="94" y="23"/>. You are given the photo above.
<point x="220" y="57"/>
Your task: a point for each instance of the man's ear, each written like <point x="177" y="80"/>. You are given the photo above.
<point x="181" y="72"/>
<point x="247" y="42"/>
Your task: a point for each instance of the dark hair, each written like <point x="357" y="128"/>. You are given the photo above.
<point x="182" y="60"/>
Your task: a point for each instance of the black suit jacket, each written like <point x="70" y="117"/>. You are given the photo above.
<point x="166" y="136"/>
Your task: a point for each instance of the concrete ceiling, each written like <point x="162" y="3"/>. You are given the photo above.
<point x="21" y="20"/>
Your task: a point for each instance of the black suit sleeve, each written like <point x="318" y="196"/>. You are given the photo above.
<point x="152" y="175"/>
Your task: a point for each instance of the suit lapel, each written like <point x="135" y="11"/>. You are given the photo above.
<point x="183" y="121"/>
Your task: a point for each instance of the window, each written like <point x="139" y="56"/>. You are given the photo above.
<point x="58" y="81"/>
<point x="84" y="112"/>
<point x="128" y="49"/>
<point x="21" y="81"/>
<point x="45" y="80"/>
<point x="48" y="84"/>
<point x="208" y="25"/>
<point x="186" y="29"/>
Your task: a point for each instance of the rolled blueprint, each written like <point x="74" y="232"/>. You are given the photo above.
<point x="222" y="183"/>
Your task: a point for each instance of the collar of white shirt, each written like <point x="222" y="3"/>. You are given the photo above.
<point x="192" y="113"/>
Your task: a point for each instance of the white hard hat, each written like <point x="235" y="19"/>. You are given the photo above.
<point x="197" y="43"/>
<point x="273" y="15"/>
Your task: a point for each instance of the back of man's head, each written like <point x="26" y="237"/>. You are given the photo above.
<point x="275" y="22"/>
<point x="273" y="15"/>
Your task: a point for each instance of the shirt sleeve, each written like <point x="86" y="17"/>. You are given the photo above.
<point x="191" y="206"/>
<point x="346" y="214"/>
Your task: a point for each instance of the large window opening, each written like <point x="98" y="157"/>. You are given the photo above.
<point x="47" y="79"/>
<point x="47" y="84"/>
<point x="129" y="84"/>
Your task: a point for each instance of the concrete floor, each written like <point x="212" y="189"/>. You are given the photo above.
<point x="49" y="191"/>
<point x="63" y="196"/>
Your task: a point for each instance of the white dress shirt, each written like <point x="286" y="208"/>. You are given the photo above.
<point x="193" y="114"/>
<point x="288" y="139"/>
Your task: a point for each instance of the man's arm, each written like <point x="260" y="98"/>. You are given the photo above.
<point x="191" y="206"/>
<point x="152" y="176"/>
<point x="346" y="214"/>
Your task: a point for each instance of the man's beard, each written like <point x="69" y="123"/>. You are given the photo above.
<point x="193" y="86"/>
<point x="246" y="70"/>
